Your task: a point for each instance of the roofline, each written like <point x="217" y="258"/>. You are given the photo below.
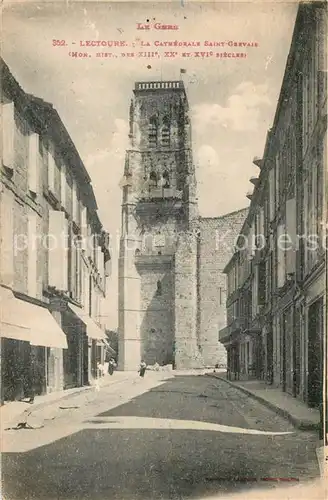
<point x="180" y="88"/>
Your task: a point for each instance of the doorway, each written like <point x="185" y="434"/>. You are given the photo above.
<point x="269" y="349"/>
<point x="283" y="351"/>
<point x="315" y="354"/>
<point x="297" y="352"/>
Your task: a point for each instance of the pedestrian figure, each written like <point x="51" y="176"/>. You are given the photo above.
<point x="142" y="369"/>
<point x="111" y="366"/>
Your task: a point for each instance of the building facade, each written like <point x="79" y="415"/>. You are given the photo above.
<point x="54" y="252"/>
<point x="288" y="208"/>
<point x="167" y="251"/>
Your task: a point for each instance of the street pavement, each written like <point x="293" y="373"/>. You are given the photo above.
<point x="186" y="437"/>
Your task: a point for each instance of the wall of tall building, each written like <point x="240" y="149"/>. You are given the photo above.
<point x="287" y="298"/>
<point x="47" y="211"/>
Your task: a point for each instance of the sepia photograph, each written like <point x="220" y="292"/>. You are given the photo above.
<point x="163" y="250"/>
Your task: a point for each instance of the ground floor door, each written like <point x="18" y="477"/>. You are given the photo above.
<point x="269" y="354"/>
<point x="85" y="360"/>
<point x="286" y="353"/>
<point x="15" y="369"/>
<point x="283" y="351"/>
<point x="297" y="332"/>
<point x="39" y="370"/>
<point x="72" y="356"/>
<point x="315" y="353"/>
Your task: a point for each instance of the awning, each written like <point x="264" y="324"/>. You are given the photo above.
<point x="109" y="348"/>
<point x="93" y="330"/>
<point x="21" y="320"/>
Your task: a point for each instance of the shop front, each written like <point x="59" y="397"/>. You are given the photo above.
<point x="93" y="346"/>
<point x="27" y="330"/>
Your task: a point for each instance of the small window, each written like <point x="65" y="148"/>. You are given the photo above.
<point x="166" y="180"/>
<point x="153" y="180"/>
<point x="159" y="288"/>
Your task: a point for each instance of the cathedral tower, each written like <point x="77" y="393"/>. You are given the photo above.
<point x="157" y="262"/>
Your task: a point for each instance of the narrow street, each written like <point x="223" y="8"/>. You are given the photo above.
<point x="93" y="449"/>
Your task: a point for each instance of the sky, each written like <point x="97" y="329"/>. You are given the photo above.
<point x="232" y="101"/>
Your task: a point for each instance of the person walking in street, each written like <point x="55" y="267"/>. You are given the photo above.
<point x="111" y="366"/>
<point x="142" y="369"/>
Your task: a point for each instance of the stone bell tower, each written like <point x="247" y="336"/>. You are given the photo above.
<point x="157" y="262"/>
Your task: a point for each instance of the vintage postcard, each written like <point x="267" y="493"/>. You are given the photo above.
<point x="163" y="250"/>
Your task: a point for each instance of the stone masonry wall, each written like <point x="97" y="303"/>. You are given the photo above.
<point x="157" y="316"/>
<point x="216" y="241"/>
<point x="187" y="355"/>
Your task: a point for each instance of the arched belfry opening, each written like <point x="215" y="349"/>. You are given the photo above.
<point x="150" y="283"/>
<point x="159" y="288"/>
<point x="165" y="132"/>
<point x="166" y="179"/>
<point x="153" y="180"/>
<point x="152" y="131"/>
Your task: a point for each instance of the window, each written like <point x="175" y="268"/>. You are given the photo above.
<point x="100" y="261"/>
<point x="165" y="135"/>
<point x="268" y="288"/>
<point x="7" y="237"/>
<point x="32" y="274"/>
<point x="63" y="185"/>
<point x="277" y="177"/>
<point x="292" y="235"/>
<point x="166" y="179"/>
<point x="159" y="240"/>
<point x="153" y="180"/>
<point x="51" y="169"/>
<point x="58" y="253"/>
<point x="281" y="264"/>
<point x="152" y="132"/>
<point x="221" y="296"/>
<point x="159" y="288"/>
<point x="76" y="271"/>
<point x="33" y="163"/>
<point x="75" y="203"/>
<point x="272" y="202"/>
<point x="8" y="132"/>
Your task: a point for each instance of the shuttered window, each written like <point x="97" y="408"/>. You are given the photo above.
<point x="33" y="163"/>
<point x="58" y="250"/>
<point x="8" y="134"/>
<point x="33" y="254"/>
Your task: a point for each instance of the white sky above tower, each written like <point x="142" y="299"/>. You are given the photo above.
<point x="232" y="101"/>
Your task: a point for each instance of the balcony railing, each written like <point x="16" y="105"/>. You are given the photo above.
<point x="171" y="84"/>
<point x="234" y="327"/>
